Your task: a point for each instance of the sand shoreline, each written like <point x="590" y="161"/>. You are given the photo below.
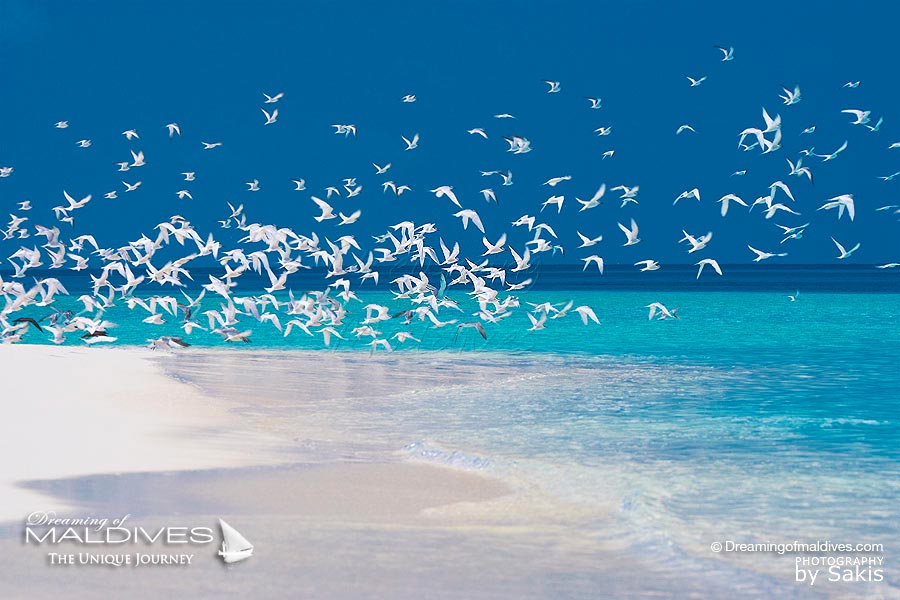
<point x="116" y="412"/>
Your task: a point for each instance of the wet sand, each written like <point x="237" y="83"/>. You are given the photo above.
<point x="341" y="531"/>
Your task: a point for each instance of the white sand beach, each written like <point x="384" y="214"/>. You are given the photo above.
<point x="76" y="412"/>
<point x="81" y="411"/>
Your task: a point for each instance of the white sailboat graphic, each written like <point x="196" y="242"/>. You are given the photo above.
<point x="235" y="547"/>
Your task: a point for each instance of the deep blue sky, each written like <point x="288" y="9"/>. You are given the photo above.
<point x="110" y="66"/>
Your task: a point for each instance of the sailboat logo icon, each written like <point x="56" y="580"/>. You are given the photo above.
<point x="235" y="547"/>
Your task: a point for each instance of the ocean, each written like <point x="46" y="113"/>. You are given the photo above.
<point x="752" y="418"/>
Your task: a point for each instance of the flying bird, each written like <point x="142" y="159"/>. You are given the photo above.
<point x="631" y="233"/>
<point x="270" y="118"/>
<point x="413" y="143"/>
<point x="554" y="86"/>
<point x="845" y="253"/>
<point x="791" y="97"/>
<point x="712" y="263"/>
<point x="696" y="82"/>
<point x="728" y="52"/>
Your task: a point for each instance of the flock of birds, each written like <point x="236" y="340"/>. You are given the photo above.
<point x="490" y="280"/>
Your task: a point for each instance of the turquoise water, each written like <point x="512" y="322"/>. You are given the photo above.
<point x="752" y="418"/>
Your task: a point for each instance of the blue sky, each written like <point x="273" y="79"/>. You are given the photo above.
<point x="106" y="67"/>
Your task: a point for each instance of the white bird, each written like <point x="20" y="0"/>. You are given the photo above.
<point x="346" y="129"/>
<point x="631" y="234"/>
<point x="557" y="200"/>
<point x="834" y="154"/>
<point x="628" y="193"/>
<point x="790" y="97"/>
<point x="554" y="86"/>
<point x="730" y="198"/>
<point x="594" y="201"/>
<point x="760" y="255"/>
<point x="593" y="258"/>
<point x="252" y="186"/>
<point x="694" y="193"/>
<point x="697" y="243"/>
<point x="799" y="170"/>
<point x="73" y="205"/>
<point x="684" y="128"/>
<point x="664" y="313"/>
<point x="876" y="126"/>
<point x="327" y="210"/>
<point x="477" y="131"/>
<point x="728" y="52"/>
<point x="862" y="116"/>
<point x="270" y="118"/>
<point x="381" y="170"/>
<point x="174" y="129"/>
<point x="708" y="261"/>
<point x="327" y="332"/>
<point x="61" y="124"/>
<point x="84" y="143"/>
<point x="130" y="134"/>
<point x="137" y="159"/>
<point x="273" y="99"/>
<point x="586" y="313"/>
<point x="522" y="262"/>
<point x="771" y="124"/>
<point x="494" y="248"/>
<point x="300" y="184"/>
<point x="189" y="176"/>
<point x="587" y="242"/>
<point x="211" y="145"/>
<point x="413" y="143"/>
<point x="842" y="202"/>
<point x="402" y="336"/>
<point x="845" y="253"/>
<point x="489" y="195"/>
<point x="773" y="208"/>
<point x="446" y="190"/>
<point x="554" y="181"/>
<point x="649" y="265"/>
<point x="537" y="324"/>
<point x="595" y="102"/>
<point x="408" y="98"/>
<point x="696" y="82"/>
<point x="131" y="187"/>
<point x="182" y="194"/>
<point x="469" y="215"/>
